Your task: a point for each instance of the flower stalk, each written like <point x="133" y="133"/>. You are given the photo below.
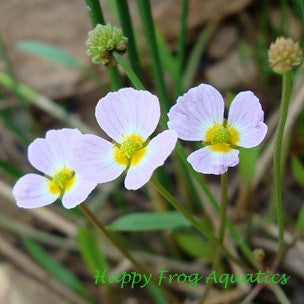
<point x="223" y="218"/>
<point x="101" y="228"/>
<point x="198" y="225"/>
<point x="224" y="204"/>
<point x="277" y="159"/>
<point x="129" y="71"/>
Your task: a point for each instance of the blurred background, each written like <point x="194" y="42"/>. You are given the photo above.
<point x="47" y="81"/>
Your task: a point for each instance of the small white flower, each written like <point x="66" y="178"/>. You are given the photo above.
<point x="129" y="117"/>
<point x="198" y="115"/>
<point x="63" y="178"/>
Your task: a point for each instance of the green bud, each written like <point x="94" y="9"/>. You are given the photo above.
<point x="104" y="40"/>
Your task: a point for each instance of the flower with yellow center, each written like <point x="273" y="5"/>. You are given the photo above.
<point x="129" y="117"/>
<point x="198" y="115"/>
<point x="64" y="179"/>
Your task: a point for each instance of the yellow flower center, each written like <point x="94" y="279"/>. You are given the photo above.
<point x="130" y="151"/>
<point x="221" y="138"/>
<point x="62" y="181"/>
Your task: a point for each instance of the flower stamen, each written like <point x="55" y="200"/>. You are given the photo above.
<point x="221" y="138"/>
<point x="62" y="181"/>
<point x="130" y="151"/>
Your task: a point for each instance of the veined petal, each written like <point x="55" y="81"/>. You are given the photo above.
<point x="31" y="191"/>
<point x="195" y="112"/>
<point x="62" y="143"/>
<point x="247" y="117"/>
<point x="53" y="152"/>
<point x="158" y="151"/>
<point x="126" y="112"/>
<point x="95" y="159"/>
<point x="207" y="161"/>
<point x="79" y="192"/>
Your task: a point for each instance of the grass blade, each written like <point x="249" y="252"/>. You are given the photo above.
<point x="51" y="52"/>
<point x="59" y="271"/>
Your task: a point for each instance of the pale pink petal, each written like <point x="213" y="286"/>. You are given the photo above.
<point x="31" y="191"/>
<point x="195" y="112"/>
<point x="207" y="161"/>
<point x="94" y="159"/>
<point x="158" y="150"/>
<point x="128" y="111"/>
<point x="53" y="152"/>
<point x="247" y="117"/>
<point x="62" y="142"/>
<point x="78" y="193"/>
<point x="41" y="156"/>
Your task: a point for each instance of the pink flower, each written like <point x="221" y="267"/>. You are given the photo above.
<point x="198" y="115"/>
<point x="53" y="156"/>
<point x="129" y="117"/>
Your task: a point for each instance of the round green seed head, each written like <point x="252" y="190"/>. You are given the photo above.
<point x="102" y="41"/>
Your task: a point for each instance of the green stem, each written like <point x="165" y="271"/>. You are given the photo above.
<point x="95" y="12"/>
<point x="223" y="217"/>
<point x="277" y="159"/>
<point x="93" y="219"/>
<point x="97" y="17"/>
<point x="144" y="8"/>
<point x="126" y="24"/>
<point x="198" y="225"/>
<point x="202" y="184"/>
<point x="130" y="73"/>
<point x="224" y="205"/>
<point x="181" y="46"/>
<point x="115" y="78"/>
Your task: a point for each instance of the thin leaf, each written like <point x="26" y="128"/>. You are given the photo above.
<point x="194" y="246"/>
<point x="197" y="53"/>
<point x="90" y="252"/>
<point x="56" y="269"/>
<point x="248" y="160"/>
<point x="49" y="51"/>
<point x="297" y="170"/>
<point x="10" y="169"/>
<point x="300" y="220"/>
<point x="149" y="221"/>
<point x="157" y="295"/>
<point x="168" y="61"/>
<point x="4" y="117"/>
